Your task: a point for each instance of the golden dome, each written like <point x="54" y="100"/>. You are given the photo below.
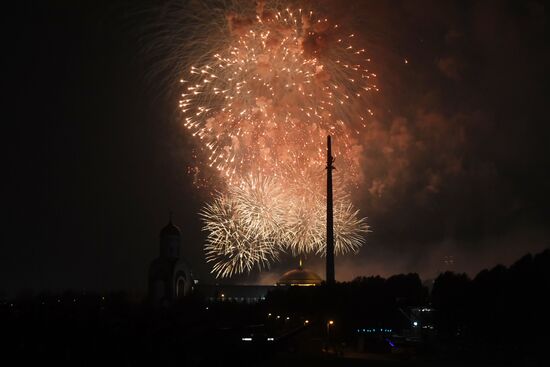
<point x="300" y="277"/>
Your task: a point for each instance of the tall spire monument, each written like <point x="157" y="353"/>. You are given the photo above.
<point x="330" y="220"/>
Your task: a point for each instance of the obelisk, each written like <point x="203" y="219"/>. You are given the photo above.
<point x="330" y="220"/>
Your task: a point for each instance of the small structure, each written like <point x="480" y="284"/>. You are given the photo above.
<point x="300" y="277"/>
<point x="169" y="275"/>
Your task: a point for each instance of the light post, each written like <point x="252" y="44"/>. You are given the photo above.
<point x="329" y="324"/>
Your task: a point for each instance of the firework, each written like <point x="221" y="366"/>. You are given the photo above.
<point x="250" y="224"/>
<point x="237" y="240"/>
<point x="261" y="106"/>
<point x="273" y="93"/>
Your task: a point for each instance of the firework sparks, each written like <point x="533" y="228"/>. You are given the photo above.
<point x="261" y="107"/>
<point x="232" y="246"/>
<point x="252" y="223"/>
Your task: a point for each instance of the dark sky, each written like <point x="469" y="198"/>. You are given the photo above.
<point x="457" y="161"/>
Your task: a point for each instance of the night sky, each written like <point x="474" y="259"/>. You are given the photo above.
<point x="457" y="160"/>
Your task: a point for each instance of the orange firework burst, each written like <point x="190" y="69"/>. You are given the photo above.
<point x="262" y="107"/>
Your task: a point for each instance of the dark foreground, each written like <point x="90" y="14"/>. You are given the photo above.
<point x="88" y="329"/>
<point x="499" y="318"/>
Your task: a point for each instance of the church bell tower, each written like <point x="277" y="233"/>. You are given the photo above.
<point x="170" y="241"/>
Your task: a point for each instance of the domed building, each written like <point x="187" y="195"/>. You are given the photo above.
<point x="300" y="277"/>
<point x="170" y="277"/>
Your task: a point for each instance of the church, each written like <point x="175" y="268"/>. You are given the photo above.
<point x="170" y="277"/>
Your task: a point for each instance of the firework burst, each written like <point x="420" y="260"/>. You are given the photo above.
<point x="253" y="222"/>
<point x="261" y="106"/>
<point x="241" y="225"/>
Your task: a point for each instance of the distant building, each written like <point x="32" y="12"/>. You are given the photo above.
<point x="170" y="277"/>
<point x="234" y="292"/>
<point x="256" y="293"/>
<point x="300" y="277"/>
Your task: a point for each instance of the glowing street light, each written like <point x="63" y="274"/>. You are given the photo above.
<point x="329" y="324"/>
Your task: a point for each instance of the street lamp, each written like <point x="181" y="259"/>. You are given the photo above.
<point x="329" y="324"/>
